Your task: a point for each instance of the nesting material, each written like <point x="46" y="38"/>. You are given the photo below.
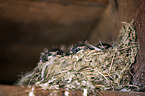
<point x="89" y="69"/>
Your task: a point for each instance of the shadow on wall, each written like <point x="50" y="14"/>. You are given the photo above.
<point x="27" y="27"/>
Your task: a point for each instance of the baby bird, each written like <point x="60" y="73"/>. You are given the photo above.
<point x="103" y="46"/>
<point x="78" y="48"/>
<point x="43" y="57"/>
<point x="54" y="52"/>
<point x="50" y="53"/>
<point x="99" y="47"/>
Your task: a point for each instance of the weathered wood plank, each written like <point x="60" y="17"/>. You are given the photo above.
<point x="25" y="91"/>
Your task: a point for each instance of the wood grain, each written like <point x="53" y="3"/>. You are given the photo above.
<point x="24" y="91"/>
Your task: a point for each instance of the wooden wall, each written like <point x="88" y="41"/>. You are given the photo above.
<point x="21" y="23"/>
<point x="29" y="26"/>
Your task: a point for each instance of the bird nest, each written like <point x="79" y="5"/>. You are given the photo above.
<point x="90" y="69"/>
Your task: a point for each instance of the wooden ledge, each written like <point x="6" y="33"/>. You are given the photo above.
<point x="6" y="90"/>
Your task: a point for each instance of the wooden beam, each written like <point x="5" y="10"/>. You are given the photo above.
<point x="92" y="3"/>
<point x="25" y="91"/>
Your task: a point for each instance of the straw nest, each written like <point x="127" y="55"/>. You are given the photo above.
<point x="89" y="69"/>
